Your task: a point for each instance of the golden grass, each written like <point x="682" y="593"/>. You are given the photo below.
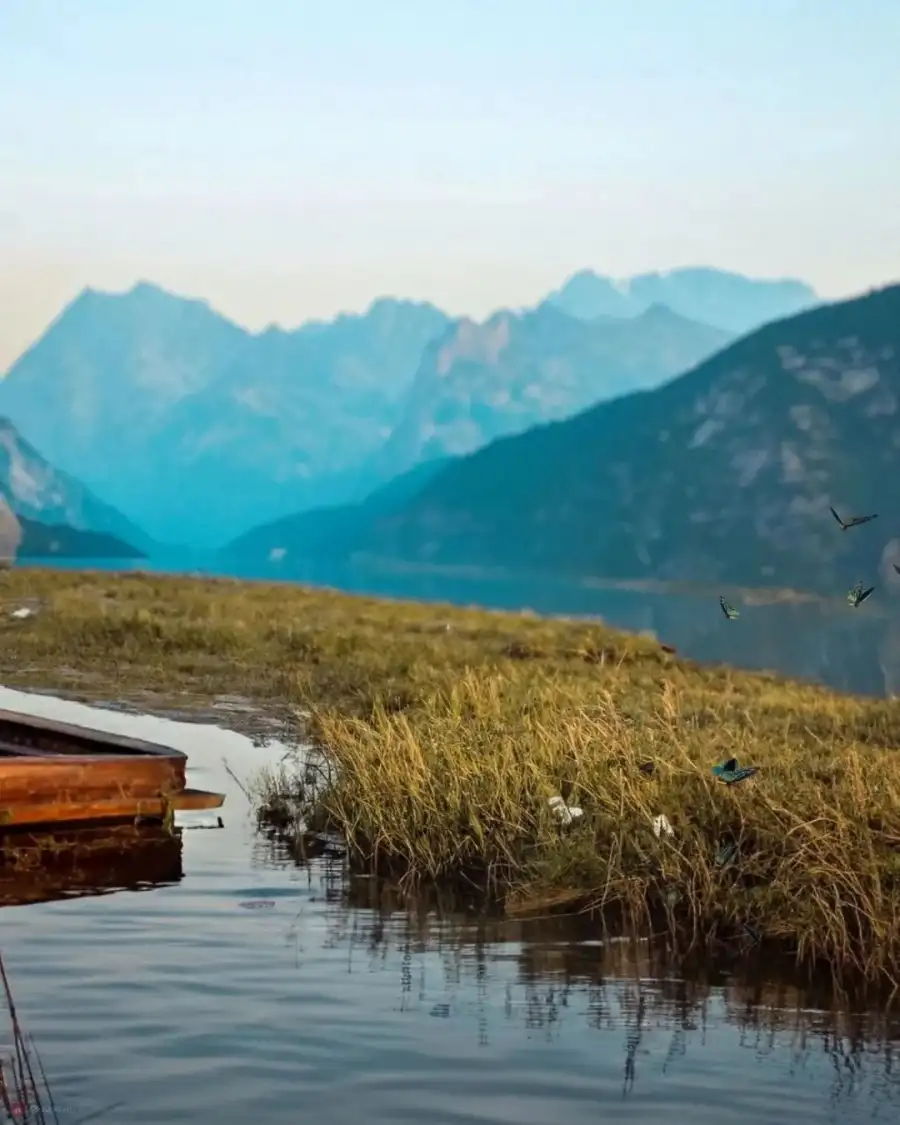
<point x="444" y="732"/>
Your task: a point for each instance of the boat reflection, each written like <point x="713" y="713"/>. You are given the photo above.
<point x="47" y="866"/>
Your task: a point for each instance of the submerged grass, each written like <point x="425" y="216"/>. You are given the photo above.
<point x="442" y="732"/>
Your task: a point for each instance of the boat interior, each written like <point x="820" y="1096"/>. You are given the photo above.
<point x="31" y="737"/>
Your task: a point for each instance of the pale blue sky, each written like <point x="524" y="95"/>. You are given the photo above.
<point x="289" y="158"/>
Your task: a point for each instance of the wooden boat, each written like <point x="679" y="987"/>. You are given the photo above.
<point x="55" y="773"/>
<point x="46" y="865"/>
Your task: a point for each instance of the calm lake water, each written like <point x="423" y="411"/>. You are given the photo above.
<point x="180" y="1003"/>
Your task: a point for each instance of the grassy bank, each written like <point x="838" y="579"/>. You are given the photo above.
<point x="446" y="731"/>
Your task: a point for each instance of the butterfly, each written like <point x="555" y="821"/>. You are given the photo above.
<point x="858" y="595"/>
<point x="730" y="612"/>
<point x="854" y="521"/>
<point x="725" y="854"/>
<point x="731" y="773"/>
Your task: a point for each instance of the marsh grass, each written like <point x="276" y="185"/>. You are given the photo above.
<point x="460" y="787"/>
<point x="439" y="734"/>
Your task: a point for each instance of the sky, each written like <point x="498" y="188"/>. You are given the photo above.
<point x="288" y="159"/>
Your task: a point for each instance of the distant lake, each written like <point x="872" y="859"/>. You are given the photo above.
<point x="827" y="642"/>
<point x="237" y="987"/>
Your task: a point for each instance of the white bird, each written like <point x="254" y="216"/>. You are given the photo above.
<point x="564" y="813"/>
<point x="22" y="613"/>
<point x="661" y="826"/>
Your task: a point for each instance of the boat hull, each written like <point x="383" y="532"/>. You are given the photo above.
<point x="52" y="773"/>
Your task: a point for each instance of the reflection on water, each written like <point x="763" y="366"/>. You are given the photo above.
<point x="49" y="865"/>
<point x="341" y="1003"/>
<point x="850" y="650"/>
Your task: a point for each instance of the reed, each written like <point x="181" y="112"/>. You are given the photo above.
<point x="22" y="1095"/>
<point x="441" y="733"/>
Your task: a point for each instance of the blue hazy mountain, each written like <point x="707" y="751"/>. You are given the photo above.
<point x="99" y="383"/>
<point x="288" y="422"/>
<point x="57" y="514"/>
<point x="726" y="300"/>
<point x="479" y="382"/>
<point x="197" y="430"/>
<point x="47" y="543"/>
<point x="725" y="474"/>
<point x="330" y="532"/>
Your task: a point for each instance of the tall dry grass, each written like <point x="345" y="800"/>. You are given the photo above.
<point x="459" y="787"/>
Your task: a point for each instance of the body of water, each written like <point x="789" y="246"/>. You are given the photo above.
<point x="236" y="986"/>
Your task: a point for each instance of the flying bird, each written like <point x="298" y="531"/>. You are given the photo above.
<point x="854" y="521"/>
<point x="858" y="595"/>
<point x="730" y="612"/>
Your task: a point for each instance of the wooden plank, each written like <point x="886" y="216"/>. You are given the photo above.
<point x="51" y="841"/>
<point x="194" y="799"/>
<point x="90" y="794"/>
<point x="21" y="778"/>
<point x="111" y="809"/>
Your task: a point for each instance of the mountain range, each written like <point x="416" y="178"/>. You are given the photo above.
<point x="729" y="301"/>
<point x="195" y="429"/>
<point x="194" y="426"/>
<point x="725" y="474"/>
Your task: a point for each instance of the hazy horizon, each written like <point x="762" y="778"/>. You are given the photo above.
<point x="287" y="161"/>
